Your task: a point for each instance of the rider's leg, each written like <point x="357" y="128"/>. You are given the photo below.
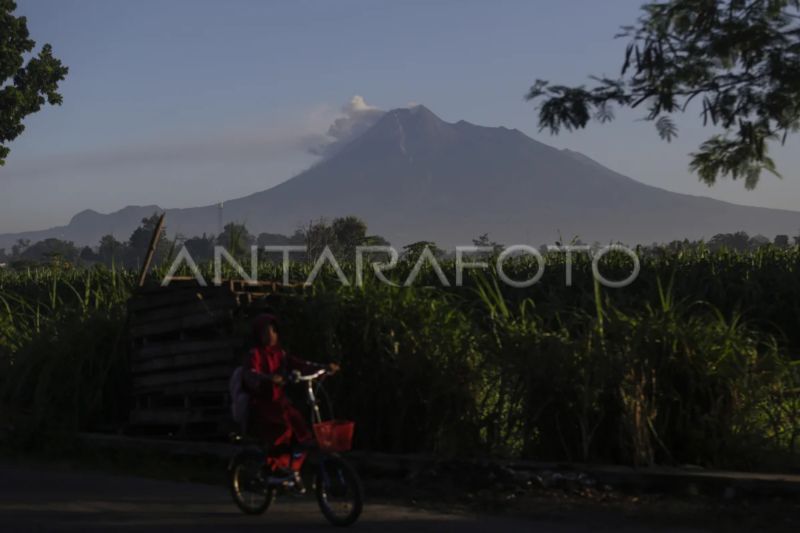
<point x="280" y="456"/>
<point x="300" y="433"/>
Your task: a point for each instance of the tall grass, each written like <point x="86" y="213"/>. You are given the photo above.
<point x="62" y="352"/>
<point x="696" y="362"/>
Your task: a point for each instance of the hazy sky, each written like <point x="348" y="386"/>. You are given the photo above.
<point x="188" y="102"/>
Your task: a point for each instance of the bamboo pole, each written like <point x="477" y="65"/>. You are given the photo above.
<point x="151" y="249"/>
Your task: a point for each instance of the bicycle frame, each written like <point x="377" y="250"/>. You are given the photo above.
<point x="335" y="479"/>
<point x="313" y="402"/>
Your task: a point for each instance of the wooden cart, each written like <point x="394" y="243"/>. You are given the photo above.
<point x="185" y="340"/>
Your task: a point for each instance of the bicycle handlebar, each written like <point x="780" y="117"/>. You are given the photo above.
<point x="297" y="377"/>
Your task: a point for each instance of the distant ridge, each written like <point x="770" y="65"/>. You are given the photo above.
<point x="412" y="176"/>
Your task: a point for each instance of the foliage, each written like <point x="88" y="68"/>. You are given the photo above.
<point x="111" y="251"/>
<point x="51" y="251"/>
<point x="139" y="242"/>
<point x="412" y="251"/>
<point x="781" y="241"/>
<point x="484" y="241"/>
<point x="236" y="239"/>
<point x="20" y="246"/>
<point x="342" y="236"/>
<point x="201" y="248"/>
<point x="349" y="232"/>
<point x="693" y="370"/>
<point x="276" y="239"/>
<point x="696" y="362"/>
<point x="740" y="59"/>
<point x="62" y="359"/>
<point x="24" y="87"/>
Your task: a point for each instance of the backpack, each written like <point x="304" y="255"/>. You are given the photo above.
<point x="240" y="398"/>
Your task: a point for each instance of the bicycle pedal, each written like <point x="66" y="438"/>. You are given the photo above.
<point x="283" y="481"/>
<point x="293" y="493"/>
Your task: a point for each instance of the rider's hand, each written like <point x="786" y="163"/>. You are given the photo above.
<point x="333" y="368"/>
<point x="277" y="379"/>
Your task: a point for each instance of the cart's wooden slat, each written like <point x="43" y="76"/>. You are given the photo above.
<point x="175" y="347"/>
<point x="216" y="372"/>
<point x="181" y="361"/>
<point x="188" y="308"/>
<point x="192" y="388"/>
<point x="178" y="416"/>
<point x="194" y="321"/>
<point x="170" y="297"/>
<point x="180" y="387"/>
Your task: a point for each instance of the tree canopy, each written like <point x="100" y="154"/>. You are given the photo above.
<point x="24" y="87"/>
<point x="739" y="59"/>
<point x="51" y="251"/>
<point x="342" y="236"/>
<point x="139" y="241"/>
<point x="236" y="239"/>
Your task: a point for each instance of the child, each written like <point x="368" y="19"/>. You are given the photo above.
<point x="273" y="417"/>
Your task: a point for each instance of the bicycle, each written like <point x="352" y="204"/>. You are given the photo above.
<point x="336" y="484"/>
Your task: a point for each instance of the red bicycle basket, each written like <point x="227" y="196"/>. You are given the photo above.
<point x="335" y="435"/>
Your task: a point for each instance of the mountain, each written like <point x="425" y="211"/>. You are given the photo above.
<point x="412" y="177"/>
<point x="87" y="227"/>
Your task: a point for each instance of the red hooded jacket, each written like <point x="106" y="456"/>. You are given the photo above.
<point x="272" y="414"/>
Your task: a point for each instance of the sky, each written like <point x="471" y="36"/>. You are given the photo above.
<point x="189" y="102"/>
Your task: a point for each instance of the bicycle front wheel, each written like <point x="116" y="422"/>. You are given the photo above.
<point x="339" y="491"/>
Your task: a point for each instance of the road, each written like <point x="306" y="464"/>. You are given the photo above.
<point x="39" y="498"/>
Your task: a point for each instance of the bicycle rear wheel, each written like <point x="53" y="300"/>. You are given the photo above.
<point x="339" y="491"/>
<point x="248" y="484"/>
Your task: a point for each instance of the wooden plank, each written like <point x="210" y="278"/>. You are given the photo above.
<point x="184" y="291"/>
<point x="177" y="416"/>
<point x="192" y="389"/>
<point x="216" y="372"/>
<point x="166" y="297"/>
<point x="182" y="323"/>
<point x="268" y="288"/>
<point x="174" y="281"/>
<point x="239" y="284"/>
<point x="262" y="286"/>
<point x="151" y="249"/>
<point x="256" y="295"/>
<point x="155" y="364"/>
<point x="181" y="309"/>
<point x="169" y="298"/>
<point x="214" y="386"/>
<point x="177" y="282"/>
<point x="176" y="347"/>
